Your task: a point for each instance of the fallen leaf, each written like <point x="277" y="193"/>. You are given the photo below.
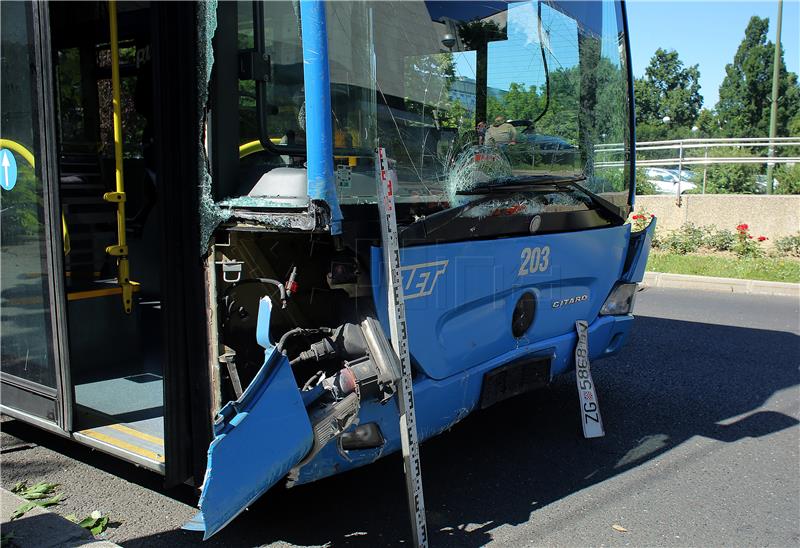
<point x="87" y="522"/>
<point x="96" y="522"/>
<point x="100" y="526"/>
<point x="19" y="512"/>
<point x="48" y="502"/>
<point x="619" y="528"/>
<point x="39" y="491"/>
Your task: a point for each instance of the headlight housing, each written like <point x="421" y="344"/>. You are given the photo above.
<point x="620" y="300"/>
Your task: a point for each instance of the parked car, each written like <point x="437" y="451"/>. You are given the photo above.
<point x="666" y="180"/>
<point x="550" y="149"/>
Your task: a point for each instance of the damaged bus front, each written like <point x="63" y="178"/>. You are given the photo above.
<point x="509" y="233"/>
<point x="194" y="272"/>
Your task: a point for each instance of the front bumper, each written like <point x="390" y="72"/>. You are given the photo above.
<point x="440" y="404"/>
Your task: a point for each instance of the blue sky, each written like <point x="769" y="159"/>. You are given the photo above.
<point x="707" y="34"/>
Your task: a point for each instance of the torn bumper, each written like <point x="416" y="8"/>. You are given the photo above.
<point x="443" y="403"/>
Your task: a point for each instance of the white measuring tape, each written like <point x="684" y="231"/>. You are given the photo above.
<point x="409" y="439"/>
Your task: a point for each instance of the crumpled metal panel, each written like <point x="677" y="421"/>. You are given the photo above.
<point x="638" y="252"/>
<point x="257" y="439"/>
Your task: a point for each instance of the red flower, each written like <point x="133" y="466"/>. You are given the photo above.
<point x="742" y="227"/>
<point x="635" y="217"/>
<point x="762" y="238"/>
<point x="750" y="237"/>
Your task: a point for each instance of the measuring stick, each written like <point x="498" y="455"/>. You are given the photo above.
<point x="387" y="181"/>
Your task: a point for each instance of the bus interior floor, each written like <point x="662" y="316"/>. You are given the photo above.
<point x="127" y="412"/>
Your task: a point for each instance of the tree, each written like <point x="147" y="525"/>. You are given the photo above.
<point x="745" y="93"/>
<point x="668" y="88"/>
<point x="732" y="178"/>
<point x="707" y="124"/>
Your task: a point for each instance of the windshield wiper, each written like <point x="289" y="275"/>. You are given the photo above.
<point x="519" y="183"/>
<point x="534" y="182"/>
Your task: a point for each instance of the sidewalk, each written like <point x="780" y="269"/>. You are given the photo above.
<point x="728" y="285"/>
<point x="41" y="528"/>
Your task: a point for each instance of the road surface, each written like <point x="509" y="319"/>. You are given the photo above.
<point x="701" y="410"/>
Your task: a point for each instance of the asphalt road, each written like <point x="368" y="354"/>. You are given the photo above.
<point x="701" y="410"/>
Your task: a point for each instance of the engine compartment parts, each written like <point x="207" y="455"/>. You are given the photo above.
<point x="369" y="373"/>
<point x="363" y="436"/>
<point x="328" y="422"/>
<point x="346" y="341"/>
<point x="366" y="364"/>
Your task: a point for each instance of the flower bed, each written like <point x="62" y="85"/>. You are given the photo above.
<point x="710" y="239"/>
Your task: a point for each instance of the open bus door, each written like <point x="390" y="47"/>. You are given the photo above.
<point x="35" y="375"/>
<point x="75" y="359"/>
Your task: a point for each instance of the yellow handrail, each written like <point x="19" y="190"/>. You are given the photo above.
<point x="19" y="149"/>
<point x="121" y="249"/>
<point x="27" y="155"/>
<point x="255" y="146"/>
<point x="250" y="148"/>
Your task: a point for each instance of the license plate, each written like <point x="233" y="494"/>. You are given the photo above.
<point x="591" y="421"/>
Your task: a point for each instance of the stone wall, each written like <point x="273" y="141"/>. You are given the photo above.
<point x="771" y="216"/>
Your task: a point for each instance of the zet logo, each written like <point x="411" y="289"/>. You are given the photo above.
<point x="420" y="279"/>
<point x="8" y="175"/>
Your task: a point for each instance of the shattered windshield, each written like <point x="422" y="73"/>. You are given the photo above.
<point x="459" y="93"/>
<point x="473" y="91"/>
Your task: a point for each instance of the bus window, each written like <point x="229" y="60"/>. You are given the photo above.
<point x="278" y="122"/>
<point x="542" y="86"/>
<point x="27" y="351"/>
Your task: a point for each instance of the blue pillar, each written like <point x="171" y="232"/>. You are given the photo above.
<point x="319" y="131"/>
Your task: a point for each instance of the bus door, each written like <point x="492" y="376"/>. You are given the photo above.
<point x="35" y="384"/>
<point x="108" y="188"/>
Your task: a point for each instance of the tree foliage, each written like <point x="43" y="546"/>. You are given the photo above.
<point x="668" y="88"/>
<point x="745" y="94"/>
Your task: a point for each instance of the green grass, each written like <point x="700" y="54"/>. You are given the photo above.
<point x="766" y="268"/>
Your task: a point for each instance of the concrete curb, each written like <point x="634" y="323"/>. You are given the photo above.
<point x="41" y="528"/>
<point x="727" y="285"/>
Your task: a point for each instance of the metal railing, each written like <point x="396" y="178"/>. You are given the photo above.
<point x="695" y="152"/>
<point x="683" y="146"/>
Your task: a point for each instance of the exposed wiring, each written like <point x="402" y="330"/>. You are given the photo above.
<point x="301" y="331"/>
<point x="315" y="378"/>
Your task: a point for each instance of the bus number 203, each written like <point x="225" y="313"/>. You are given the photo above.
<point x="534" y="259"/>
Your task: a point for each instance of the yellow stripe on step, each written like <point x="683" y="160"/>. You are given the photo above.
<point x="136" y="434"/>
<point x="123" y="445"/>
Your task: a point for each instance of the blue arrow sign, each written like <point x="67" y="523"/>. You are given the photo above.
<point x="8" y="169"/>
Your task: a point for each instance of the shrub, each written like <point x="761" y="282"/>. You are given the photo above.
<point x="657" y="242"/>
<point x="790" y="245"/>
<point x="719" y="239"/>
<point x="732" y="178"/>
<point x="746" y="245"/>
<point x="788" y="179"/>
<point x="687" y="239"/>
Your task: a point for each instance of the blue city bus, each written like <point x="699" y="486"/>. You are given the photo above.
<point x="193" y="271"/>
